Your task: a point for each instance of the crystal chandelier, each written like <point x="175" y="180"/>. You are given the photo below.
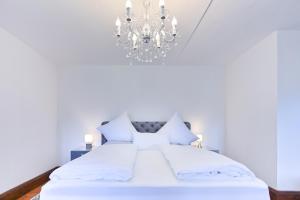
<point x="148" y="38"/>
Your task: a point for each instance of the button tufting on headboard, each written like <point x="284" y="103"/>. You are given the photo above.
<point x="145" y="127"/>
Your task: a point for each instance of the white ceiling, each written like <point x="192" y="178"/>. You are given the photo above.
<point x="79" y="32"/>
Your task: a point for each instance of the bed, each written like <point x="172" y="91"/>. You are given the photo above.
<point x="154" y="180"/>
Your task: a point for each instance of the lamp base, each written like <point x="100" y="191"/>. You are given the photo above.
<point x="88" y="146"/>
<point x="199" y="145"/>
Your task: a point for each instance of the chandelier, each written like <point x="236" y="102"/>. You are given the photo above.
<point x="147" y="38"/>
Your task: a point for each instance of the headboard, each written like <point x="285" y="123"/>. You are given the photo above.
<point x="144" y="127"/>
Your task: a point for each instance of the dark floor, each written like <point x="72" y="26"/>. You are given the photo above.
<point x="31" y="194"/>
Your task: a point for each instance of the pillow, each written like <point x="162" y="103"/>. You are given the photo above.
<point x="119" y="129"/>
<point x="150" y="140"/>
<point x="177" y="131"/>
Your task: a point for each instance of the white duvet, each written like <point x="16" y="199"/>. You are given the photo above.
<point x="154" y="180"/>
<point x="108" y="163"/>
<point x="190" y="163"/>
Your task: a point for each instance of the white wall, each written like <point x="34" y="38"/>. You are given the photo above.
<point x="28" y="111"/>
<point x="251" y="99"/>
<point x="288" y="110"/>
<point x="90" y="95"/>
<point x="263" y="110"/>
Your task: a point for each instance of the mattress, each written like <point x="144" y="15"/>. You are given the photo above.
<point x="153" y="180"/>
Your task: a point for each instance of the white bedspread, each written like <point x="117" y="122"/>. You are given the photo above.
<point x="109" y="162"/>
<point x="153" y="180"/>
<point x="190" y="163"/>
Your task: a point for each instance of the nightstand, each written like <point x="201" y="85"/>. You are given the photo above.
<point x="76" y="153"/>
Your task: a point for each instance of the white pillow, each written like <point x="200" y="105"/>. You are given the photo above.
<point x="177" y="131"/>
<point x="119" y="129"/>
<point x="150" y="140"/>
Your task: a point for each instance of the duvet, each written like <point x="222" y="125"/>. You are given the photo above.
<point x="108" y="163"/>
<point x="190" y="163"/>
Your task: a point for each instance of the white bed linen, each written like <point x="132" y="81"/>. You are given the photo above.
<point x="109" y="162"/>
<point x="153" y="180"/>
<point x="150" y="140"/>
<point x="190" y="163"/>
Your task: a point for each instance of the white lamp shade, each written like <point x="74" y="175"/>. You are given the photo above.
<point x="88" y="138"/>
<point x="200" y="137"/>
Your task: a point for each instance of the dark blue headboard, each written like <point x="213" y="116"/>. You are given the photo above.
<point x="145" y="127"/>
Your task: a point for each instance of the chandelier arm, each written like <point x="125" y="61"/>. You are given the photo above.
<point x="165" y="39"/>
<point x="170" y="40"/>
<point x="129" y="25"/>
<point x="131" y="29"/>
<point x="162" y="26"/>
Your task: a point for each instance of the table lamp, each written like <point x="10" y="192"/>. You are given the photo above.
<point x="200" y="140"/>
<point x="88" y="138"/>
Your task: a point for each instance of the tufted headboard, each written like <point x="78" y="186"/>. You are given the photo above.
<point x="145" y="127"/>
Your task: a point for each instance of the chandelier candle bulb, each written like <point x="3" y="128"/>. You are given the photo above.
<point x="128" y="6"/>
<point x="157" y="40"/>
<point x="162" y="8"/>
<point x="161" y="3"/>
<point x="118" y="24"/>
<point x="174" y="24"/>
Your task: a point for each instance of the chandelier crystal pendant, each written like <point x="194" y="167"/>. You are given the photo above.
<point x="148" y="38"/>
